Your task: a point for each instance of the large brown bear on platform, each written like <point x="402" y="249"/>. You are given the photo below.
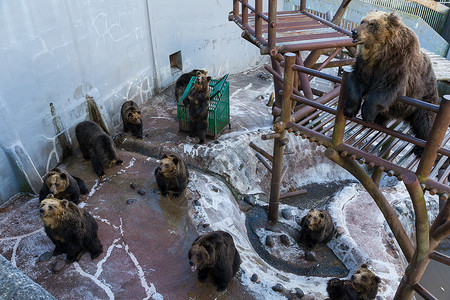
<point x="389" y="64"/>
<point x="72" y="229"/>
<point x="216" y="254"/>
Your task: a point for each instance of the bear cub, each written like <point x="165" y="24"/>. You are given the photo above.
<point x="72" y="229"/>
<point x="198" y="103"/>
<point x="389" y="64"/>
<point x="63" y="185"/>
<point x="131" y="118"/>
<point x="363" y="285"/>
<point x="216" y="254"/>
<point x="317" y="227"/>
<point x="171" y="175"/>
<point x="183" y="82"/>
<point x="96" y="146"/>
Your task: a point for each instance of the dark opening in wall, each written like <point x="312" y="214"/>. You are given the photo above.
<point x="175" y="61"/>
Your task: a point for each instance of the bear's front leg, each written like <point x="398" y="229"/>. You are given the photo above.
<point x="97" y="165"/>
<point x="355" y="92"/>
<point x="202" y="275"/>
<point x="374" y="104"/>
<point x="74" y="251"/>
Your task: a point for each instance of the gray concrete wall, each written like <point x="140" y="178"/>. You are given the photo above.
<point x="55" y="53"/>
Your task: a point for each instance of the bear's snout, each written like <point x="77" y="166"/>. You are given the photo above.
<point x="353" y="277"/>
<point x="355" y="35"/>
<point x="41" y="211"/>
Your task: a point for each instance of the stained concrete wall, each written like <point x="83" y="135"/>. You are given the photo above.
<point x="56" y="53"/>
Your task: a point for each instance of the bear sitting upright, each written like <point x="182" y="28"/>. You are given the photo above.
<point x="389" y="64"/>
<point x="131" y="118"/>
<point x="183" y="81"/>
<point x="63" y="185"/>
<point x="363" y="285"/>
<point x="96" y="146"/>
<point x="198" y="102"/>
<point x="317" y="227"/>
<point x="71" y="229"/>
<point x="215" y="253"/>
<point x="171" y="175"/>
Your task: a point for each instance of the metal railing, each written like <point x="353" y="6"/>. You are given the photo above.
<point x="433" y="13"/>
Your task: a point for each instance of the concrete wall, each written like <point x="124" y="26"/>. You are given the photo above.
<point x="55" y="53"/>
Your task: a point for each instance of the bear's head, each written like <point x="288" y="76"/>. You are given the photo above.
<point x="51" y="210"/>
<point x="364" y="282"/>
<point x="134" y="117"/>
<point x="168" y="165"/>
<point x="196" y="71"/>
<point x="201" y="82"/>
<point x="198" y="257"/>
<point x="314" y="220"/>
<point x="376" y="28"/>
<point x="56" y="181"/>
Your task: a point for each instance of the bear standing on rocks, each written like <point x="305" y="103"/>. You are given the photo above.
<point x="198" y="102"/>
<point x="171" y="175"/>
<point x="317" y="227"/>
<point x="131" y="118"/>
<point x="363" y="285"/>
<point x="96" y="146"/>
<point x="183" y="81"/>
<point x="389" y="64"/>
<point x="72" y="229"/>
<point x="63" y="185"/>
<point x="215" y="253"/>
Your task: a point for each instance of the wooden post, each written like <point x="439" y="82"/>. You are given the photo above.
<point x="278" y="145"/>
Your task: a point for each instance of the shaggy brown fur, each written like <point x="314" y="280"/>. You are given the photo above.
<point x="183" y="81"/>
<point x="363" y="285"/>
<point x="96" y="146"/>
<point x="317" y="227"/>
<point x="198" y="102"/>
<point x="389" y="64"/>
<point x="172" y="175"/>
<point x="63" y="185"/>
<point x="71" y="229"/>
<point x="216" y="254"/>
<point x="131" y="118"/>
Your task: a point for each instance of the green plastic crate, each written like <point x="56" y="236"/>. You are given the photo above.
<point x="219" y="107"/>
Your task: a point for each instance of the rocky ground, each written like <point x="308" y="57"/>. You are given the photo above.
<point x="146" y="237"/>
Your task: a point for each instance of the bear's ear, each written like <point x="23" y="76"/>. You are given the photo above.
<point x="164" y="156"/>
<point x="198" y="73"/>
<point x="393" y="19"/>
<point x="208" y="78"/>
<point x="311" y="210"/>
<point x="65" y="203"/>
<point x="175" y="160"/>
<point x="50" y="196"/>
<point x="377" y="279"/>
<point x="364" y="266"/>
<point x="130" y="114"/>
<point x="322" y="215"/>
<point x="138" y="111"/>
<point x="63" y="176"/>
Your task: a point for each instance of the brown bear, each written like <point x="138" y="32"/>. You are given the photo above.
<point x="215" y="253"/>
<point x="389" y="64"/>
<point x="317" y="227"/>
<point x="96" y="146"/>
<point x="63" y="185"/>
<point x="171" y="175"/>
<point x="72" y="229"/>
<point x="131" y="118"/>
<point x="183" y="81"/>
<point x="198" y="102"/>
<point x="363" y="285"/>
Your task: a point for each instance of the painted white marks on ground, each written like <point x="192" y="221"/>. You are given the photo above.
<point x="18" y="239"/>
<point x="240" y="90"/>
<point x="119" y="243"/>
<point x="103" y="286"/>
<point x="94" y="188"/>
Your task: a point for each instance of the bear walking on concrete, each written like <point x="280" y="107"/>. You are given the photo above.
<point x="72" y="229"/>
<point x="63" y="185"/>
<point x="317" y="227"/>
<point x="172" y="175"/>
<point x="131" y="118"/>
<point x="363" y="285"/>
<point x="183" y="81"/>
<point x="389" y="64"/>
<point x="216" y="254"/>
<point x="198" y="102"/>
<point x="96" y="146"/>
